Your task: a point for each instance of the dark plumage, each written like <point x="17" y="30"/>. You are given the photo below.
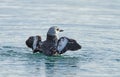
<point x="51" y="41"/>
<point x="52" y="45"/>
<point x="30" y="43"/>
<point x="64" y="44"/>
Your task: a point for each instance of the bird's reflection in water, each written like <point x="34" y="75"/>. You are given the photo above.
<point x="56" y="66"/>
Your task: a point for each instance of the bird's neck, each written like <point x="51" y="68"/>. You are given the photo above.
<point x="51" y="38"/>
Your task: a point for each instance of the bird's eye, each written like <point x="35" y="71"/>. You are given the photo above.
<point x="57" y="29"/>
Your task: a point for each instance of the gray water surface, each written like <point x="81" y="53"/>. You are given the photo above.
<point x="95" y="24"/>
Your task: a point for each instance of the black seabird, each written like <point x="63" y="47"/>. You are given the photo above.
<point x="51" y="41"/>
<point x="52" y="45"/>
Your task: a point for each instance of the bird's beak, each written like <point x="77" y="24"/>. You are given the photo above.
<point x="61" y="30"/>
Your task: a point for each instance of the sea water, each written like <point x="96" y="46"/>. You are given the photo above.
<point x="94" y="24"/>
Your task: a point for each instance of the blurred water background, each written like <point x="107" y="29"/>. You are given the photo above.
<point x="95" y="24"/>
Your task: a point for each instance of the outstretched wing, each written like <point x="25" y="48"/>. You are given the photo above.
<point x="64" y="44"/>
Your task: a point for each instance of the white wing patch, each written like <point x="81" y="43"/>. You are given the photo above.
<point x="35" y="42"/>
<point x="62" y="43"/>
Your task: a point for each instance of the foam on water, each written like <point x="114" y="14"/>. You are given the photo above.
<point x="93" y="23"/>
